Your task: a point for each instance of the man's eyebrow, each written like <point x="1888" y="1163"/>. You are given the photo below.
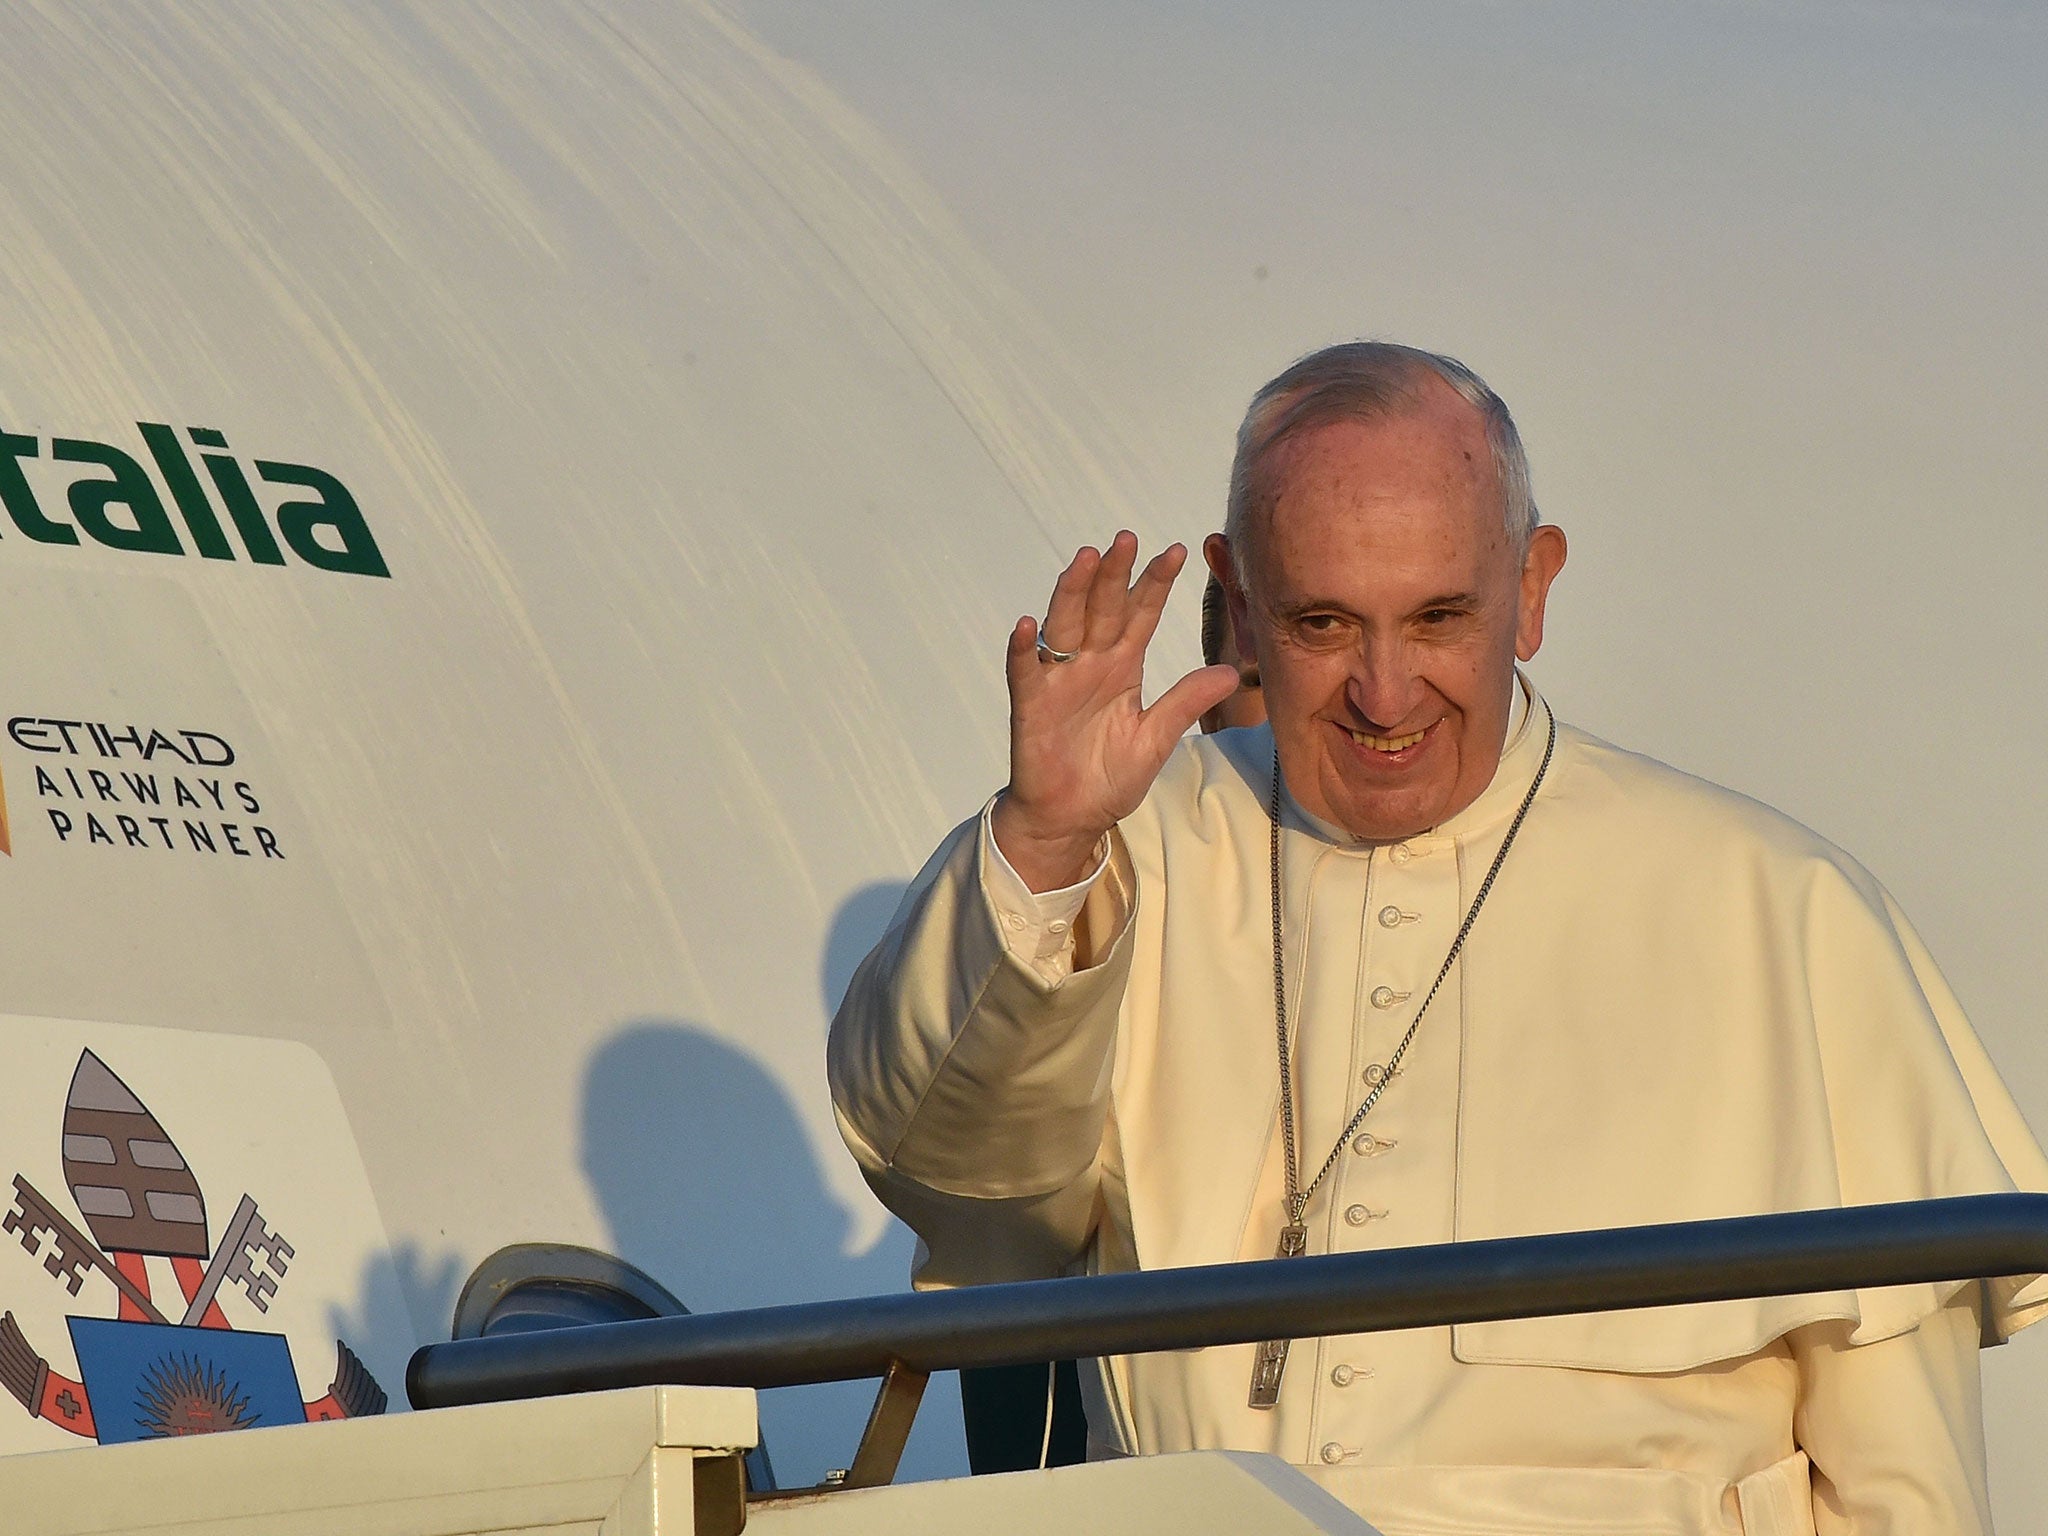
<point x="1294" y="608"/>
<point x="1441" y="600"/>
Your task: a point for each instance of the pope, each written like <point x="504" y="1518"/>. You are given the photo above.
<point x="1416" y="963"/>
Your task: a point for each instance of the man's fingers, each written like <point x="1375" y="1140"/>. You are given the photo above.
<point x="1095" y="605"/>
<point x="1148" y="597"/>
<point x="1020" y="657"/>
<point x="1175" y="710"/>
<point x="1109" y="593"/>
<point x="1066" y="613"/>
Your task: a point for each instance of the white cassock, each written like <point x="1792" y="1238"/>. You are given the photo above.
<point x="1676" y="1004"/>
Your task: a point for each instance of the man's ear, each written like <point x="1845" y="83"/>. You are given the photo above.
<point x="1539" y="569"/>
<point x="1216" y="551"/>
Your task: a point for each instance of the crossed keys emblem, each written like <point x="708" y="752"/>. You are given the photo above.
<point x="142" y="1207"/>
<point x="245" y="1245"/>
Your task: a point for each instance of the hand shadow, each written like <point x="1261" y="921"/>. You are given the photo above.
<point x="405" y="1296"/>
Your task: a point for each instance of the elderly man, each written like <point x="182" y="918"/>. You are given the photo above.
<point x="1420" y="963"/>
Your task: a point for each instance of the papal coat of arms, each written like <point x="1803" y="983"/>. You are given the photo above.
<point x="146" y="1372"/>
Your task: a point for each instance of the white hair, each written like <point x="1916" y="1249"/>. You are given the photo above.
<point x="1367" y="381"/>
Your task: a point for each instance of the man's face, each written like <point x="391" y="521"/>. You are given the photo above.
<point x="1386" y="608"/>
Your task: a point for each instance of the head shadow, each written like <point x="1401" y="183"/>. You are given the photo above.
<point x="861" y="920"/>
<point x="706" y="1176"/>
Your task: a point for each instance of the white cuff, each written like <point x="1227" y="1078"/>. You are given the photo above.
<point x="1037" y="925"/>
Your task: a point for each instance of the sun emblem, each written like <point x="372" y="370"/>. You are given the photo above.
<point x="184" y="1395"/>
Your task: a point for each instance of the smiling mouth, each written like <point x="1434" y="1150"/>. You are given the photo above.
<point x="1389" y="742"/>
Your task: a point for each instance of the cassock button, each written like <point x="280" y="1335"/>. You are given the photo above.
<point x="1342" y="1375"/>
<point x="1012" y="921"/>
<point x="1058" y="925"/>
<point x="1332" y="1454"/>
<point x="1357" y="1215"/>
<point x="1403" y="853"/>
<point x="1386" y="997"/>
<point x="1390" y="917"/>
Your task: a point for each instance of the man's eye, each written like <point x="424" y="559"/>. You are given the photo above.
<point x="1440" y="615"/>
<point x="1322" y="631"/>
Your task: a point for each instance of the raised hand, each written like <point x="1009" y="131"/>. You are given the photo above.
<point x="1083" y="749"/>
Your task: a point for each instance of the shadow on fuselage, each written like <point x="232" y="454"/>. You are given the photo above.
<point x="707" y="1179"/>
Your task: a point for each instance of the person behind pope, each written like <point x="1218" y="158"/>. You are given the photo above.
<point x="1245" y="705"/>
<point x="1532" y="983"/>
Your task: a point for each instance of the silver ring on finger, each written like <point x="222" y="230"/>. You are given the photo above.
<point x="1047" y="653"/>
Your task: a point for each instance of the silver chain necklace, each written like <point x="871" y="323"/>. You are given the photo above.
<point x="1272" y="1356"/>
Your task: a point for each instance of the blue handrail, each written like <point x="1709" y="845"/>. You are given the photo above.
<point x="1967" y="1238"/>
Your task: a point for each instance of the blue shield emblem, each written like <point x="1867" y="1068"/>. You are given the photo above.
<point x="149" y="1380"/>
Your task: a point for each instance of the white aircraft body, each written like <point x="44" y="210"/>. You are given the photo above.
<point x="509" y="517"/>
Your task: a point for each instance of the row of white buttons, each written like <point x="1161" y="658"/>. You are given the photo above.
<point x="1342" y="1376"/>
<point x="1367" y="1145"/>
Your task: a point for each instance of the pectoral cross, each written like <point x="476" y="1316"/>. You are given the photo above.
<point x="1272" y="1358"/>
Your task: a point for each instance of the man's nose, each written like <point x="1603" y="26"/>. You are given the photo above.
<point x="1383" y="687"/>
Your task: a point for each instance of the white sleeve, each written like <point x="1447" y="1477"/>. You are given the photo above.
<point x="1037" y="926"/>
<point x="973" y="1091"/>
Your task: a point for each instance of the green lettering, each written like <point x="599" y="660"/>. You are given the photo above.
<point x="299" y="521"/>
<point x="240" y="501"/>
<point x="20" y="498"/>
<point x="151" y="532"/>
<point x="176" y="469"/>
